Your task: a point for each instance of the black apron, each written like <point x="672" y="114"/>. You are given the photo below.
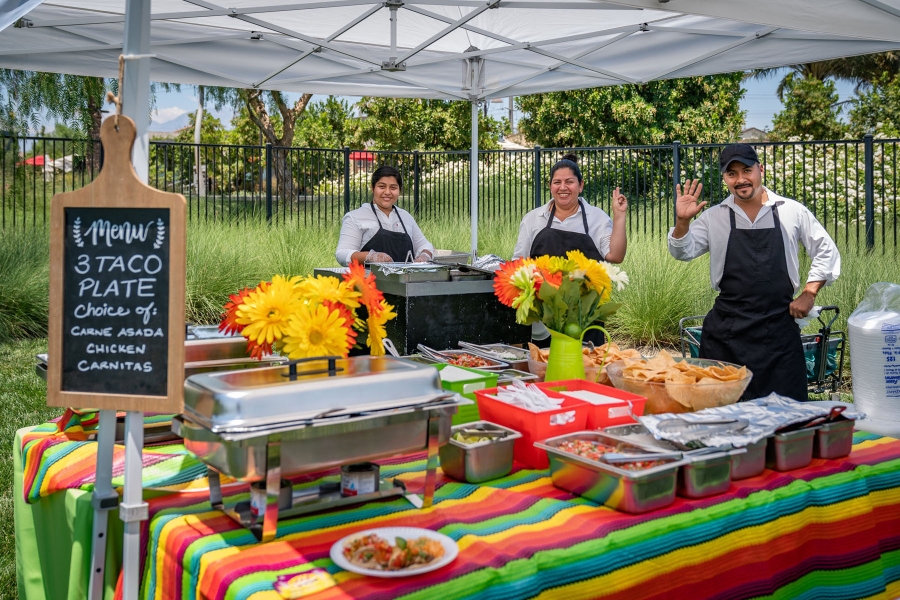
<point x="555" y="242"/>
<point x="750" y="322"/>
<point x="397" y="245"/>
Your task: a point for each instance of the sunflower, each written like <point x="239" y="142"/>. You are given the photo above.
<point x="377" y="331"/>
<point x="595" y="274"/>
<point x="370" y="296"/>
<point x="229" y="324"/>
<point x="504" y="289"/>
<point x="316" y="331"/>
<point x="266" y="310"/>
<point x="331" y="289"/>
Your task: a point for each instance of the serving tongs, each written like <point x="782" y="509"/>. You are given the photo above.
<point x="833" y="415"/>
<point x="483" y="350"/>
<point x="698" y="429"/>
<point x="432" y="353"/>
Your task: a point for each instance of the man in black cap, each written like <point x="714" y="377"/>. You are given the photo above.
<point x="753" y="239"/>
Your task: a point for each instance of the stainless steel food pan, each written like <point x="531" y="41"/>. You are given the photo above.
<point x="639" y="435"/>
<point x="479" y="462"/>
<point x="520" y="362"/>
<point x="258" y="399"/>
<point x="493" y="364"/>
<point x="751" y="463"/>
<point x="411" y="272"/>
<point x="793" y="450"/>
<point x="627" y="491"/>
<point x="705" y="475"/>
<point x="322" y="444"/>
<point x="508" y="375"/>
<point x="834" y="439"/>
<point x="451" y="257"/>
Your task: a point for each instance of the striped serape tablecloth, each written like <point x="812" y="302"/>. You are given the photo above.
<point x="831" y="530"/>
<point x="59" y="455"/>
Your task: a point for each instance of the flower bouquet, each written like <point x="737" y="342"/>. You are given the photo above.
<point x="568" y="295"/>
<point x="304" y="317"/>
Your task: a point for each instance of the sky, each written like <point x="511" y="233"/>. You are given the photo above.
<point x="760" y="103"/>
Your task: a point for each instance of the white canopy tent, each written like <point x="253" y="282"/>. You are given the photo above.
<point x="469" y="50"/>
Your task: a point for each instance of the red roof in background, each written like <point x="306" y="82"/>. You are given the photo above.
<point x="367" y="156"/>
<point x="37" y="161"/>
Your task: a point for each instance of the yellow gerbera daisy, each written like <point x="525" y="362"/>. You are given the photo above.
<point x="594" y="273"/>
<point x="266" y="310"/>
<point x="313" y="330"/>
<point x="554" y="264"/>
<point x="377" y="331"/>
<point x="320" y="288"/>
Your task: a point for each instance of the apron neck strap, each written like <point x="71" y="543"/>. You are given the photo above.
<point x="553" y="214"/>
<point x="374" y="210"/>
<point x="774" y="216"/>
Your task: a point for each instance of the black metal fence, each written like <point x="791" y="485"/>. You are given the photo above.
<point x="850" y="185"/>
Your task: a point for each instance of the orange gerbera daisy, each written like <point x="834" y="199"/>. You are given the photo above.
<point x="229" y="324"/>
<point x="503" y="286"/>
<point x="554" y="279"/>
<point x="347" y="315"/>
<point x="258" y="351"/>
<point x="371" y="297"/>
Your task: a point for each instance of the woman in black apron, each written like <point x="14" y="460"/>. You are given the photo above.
<point x="385" y="245"/>
<point x="557" y="242"/>
<point x="749" y="323"/>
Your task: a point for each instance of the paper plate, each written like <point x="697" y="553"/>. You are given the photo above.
<point x="389" y="533"/>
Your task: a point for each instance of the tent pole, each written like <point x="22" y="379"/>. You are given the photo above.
<point x="473" y="178"/>
<point x="135" y="104"/>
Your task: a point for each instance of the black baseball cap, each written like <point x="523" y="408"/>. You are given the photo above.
<point x="743" y="153"/>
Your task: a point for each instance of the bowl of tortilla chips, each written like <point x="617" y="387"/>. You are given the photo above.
<point x="595" y="360"/>
<point x="678" y="385"/>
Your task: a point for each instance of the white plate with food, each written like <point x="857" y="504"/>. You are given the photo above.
<point x="394" y="551"/>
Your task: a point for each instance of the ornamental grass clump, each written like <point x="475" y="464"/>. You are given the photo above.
<point x="24" y="285"/>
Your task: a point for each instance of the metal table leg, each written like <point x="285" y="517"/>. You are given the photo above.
<point x="273" y="488"/>
<point x="434" y="432"/>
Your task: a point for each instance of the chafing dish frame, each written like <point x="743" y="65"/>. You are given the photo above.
<point x="267" y="530"/>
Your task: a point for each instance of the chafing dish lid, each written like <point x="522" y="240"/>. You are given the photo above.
<point x="234" y="400"/>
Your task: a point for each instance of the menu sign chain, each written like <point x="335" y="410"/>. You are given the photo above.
<point x="116" y="301"/>
<point x="117" y="289"/>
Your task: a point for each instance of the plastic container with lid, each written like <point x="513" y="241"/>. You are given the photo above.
<point x="608" y="406"/>
<point x="534" y="426"/>
<point x="465" y="382"/>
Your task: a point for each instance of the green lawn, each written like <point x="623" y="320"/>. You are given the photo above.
<point x="23" y="401"/>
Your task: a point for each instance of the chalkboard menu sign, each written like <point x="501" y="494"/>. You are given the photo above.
<point x="116" y="301"/>
<point x="117" y="268"/>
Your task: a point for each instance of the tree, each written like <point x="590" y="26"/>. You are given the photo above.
<point x="811" y="111"/>
<point x="278" y="132"/>
<point x="327" y="124"/>
<point x="211" y="130"/>
<point x="406" y="124"/>
<point x="692" y="110"/>
<point x="863" y="71"/>
<point x="877" y="110"/>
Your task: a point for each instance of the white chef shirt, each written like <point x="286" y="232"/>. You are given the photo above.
<point x="360" y="225"/>
<point x="710" y="232"/>
<point x="600" y="227"/>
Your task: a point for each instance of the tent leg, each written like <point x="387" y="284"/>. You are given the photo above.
<point x="473" y="176"/>
<point x="135" y="104"/>
<point x="104" y="499"/>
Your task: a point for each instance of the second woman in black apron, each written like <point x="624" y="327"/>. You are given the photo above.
<point x="749" y="323"/>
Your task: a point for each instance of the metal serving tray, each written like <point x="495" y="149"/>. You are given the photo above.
<point x="493" y="364"/>
<point x="639" y="435"/>
<point x="507" y="376"/>
<point x="627" y="491"/>
<point x="834" y="439"/>
<point x="705" y="475"/>
<point x="451" y="257"/>
<point x="479" y="462"/>
<point x="792" y="450"/>
<point x="751" y="463"/>
<point x="269" y="399"/>
<point x="520" y="362"/>
<point x="412" y="272"/>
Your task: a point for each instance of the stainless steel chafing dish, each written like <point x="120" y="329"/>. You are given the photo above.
<point x="309" y="415"/>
